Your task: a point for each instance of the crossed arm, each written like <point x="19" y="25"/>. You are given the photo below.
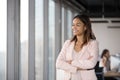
<point x="75" y="65"/>
<point x="78" y="68"/>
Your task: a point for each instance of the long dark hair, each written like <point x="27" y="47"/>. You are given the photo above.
<point x="104" y="52"/>
<point x="88" y="34"/>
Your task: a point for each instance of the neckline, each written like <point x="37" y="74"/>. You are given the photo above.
<point x="77" y="51"/>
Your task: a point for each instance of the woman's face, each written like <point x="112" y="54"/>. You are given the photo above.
<point x="107" y="55"/>
<point x="78" y="27"/>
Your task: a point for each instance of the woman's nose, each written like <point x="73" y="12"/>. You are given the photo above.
<point x="74" y="27"/>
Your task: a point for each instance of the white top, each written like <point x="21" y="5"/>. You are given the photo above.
<point x="107" y="67"/>
<point x="76" y="57"/>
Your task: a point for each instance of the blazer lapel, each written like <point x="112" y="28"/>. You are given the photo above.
<point x="69" y="53"/>
<point x="83" y="50"/>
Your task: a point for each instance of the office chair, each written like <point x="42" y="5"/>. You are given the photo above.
<point x="99" y="72"/>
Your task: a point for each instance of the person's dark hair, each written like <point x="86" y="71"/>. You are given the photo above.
<point x="104" y="52"/>
<point x="88" y="33"/>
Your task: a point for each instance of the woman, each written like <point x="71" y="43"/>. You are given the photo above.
<point x="105" y="62"/>
<point x="79" y="55"/>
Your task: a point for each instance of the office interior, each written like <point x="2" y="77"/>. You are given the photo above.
<point x="33" y="31"/>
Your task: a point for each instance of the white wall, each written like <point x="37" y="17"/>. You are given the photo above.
<point x="108" y="37"/>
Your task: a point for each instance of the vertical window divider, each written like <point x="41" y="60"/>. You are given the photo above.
<point x="45" y="40"/>
<point x="13" y="35"/>
<point x="31" y="41"/>
<point x="58" y="30"/>
<point x="65" y="24"/>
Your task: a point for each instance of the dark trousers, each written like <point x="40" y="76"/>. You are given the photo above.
<point x="110" y="78"/>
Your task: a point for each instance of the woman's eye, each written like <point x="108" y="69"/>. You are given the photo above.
<point x="78" y="24"/>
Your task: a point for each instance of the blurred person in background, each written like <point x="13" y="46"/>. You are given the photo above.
<point x="105" y="60"/>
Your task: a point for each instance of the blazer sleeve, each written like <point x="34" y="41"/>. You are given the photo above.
<point x="88" y="64"/>
<point x="61" y="60"/>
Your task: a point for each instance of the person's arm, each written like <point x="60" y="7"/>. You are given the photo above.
<point x="104" y="61"/>
<point x="91" y="62"/>
<point x="61" y="62"/>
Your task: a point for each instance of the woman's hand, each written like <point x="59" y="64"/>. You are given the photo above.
<point x="90" y="57"/>
<point x="79" y="69"/>
<point x="70" y="61"/>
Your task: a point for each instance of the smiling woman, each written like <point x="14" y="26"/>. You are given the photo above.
<point x="3" y="40"/>
<point x="79" y="55"/>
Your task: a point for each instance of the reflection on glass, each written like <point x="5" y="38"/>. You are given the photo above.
<point x="24" y="40"/>
<point x="39" y="39"/>
<point x="3" y="38"/>
<point x="69" y="24"/>
<point x="51" y="39"/>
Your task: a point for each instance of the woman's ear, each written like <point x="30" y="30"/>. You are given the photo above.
<point x="85" y="28"/>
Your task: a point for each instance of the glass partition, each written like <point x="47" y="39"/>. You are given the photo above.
<point x="24" y="39"/>
<point x="51" y="39"/>
<point x="39" y="39"/>
<point x="69" y="23"/>
<point x="3" y="38"/>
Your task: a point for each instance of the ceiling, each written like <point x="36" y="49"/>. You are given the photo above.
<point x="99" y="8"/>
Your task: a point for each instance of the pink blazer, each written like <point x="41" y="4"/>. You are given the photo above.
<point x="70" y="70"/>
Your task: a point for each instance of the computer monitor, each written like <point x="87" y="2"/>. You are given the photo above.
<point x="115" y="63"/>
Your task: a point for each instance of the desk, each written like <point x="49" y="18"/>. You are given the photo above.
<point x="112" y="74"/>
